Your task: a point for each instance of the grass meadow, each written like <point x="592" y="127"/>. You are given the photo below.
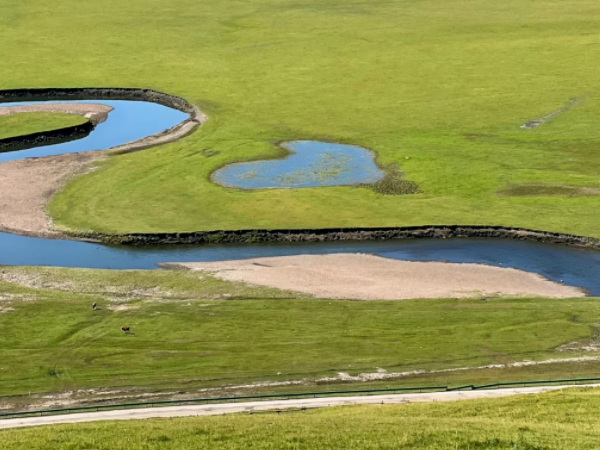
<point x="198" y="336"/>
<point x="552" y="421"/>
<point x="439" y="88"/>
<point x="28" y="123"/>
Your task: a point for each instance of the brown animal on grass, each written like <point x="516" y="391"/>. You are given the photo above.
<point x="126" y="330"/>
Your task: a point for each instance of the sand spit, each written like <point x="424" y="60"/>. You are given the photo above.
<point x="179" y="131"/>
<point x="369" y="277"/>
<point x="95" y="112"/>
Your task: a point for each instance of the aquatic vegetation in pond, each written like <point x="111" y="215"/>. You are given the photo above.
<point x="310" y="164"/>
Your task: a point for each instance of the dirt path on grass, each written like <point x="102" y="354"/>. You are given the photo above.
<point x="369" y="277"/>
<point x="27" y="185"/>
<point x="249" y="407"/>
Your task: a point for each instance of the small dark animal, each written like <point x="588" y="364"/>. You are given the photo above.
<point x="94" y="306"/>
<point x="126" y="330"/>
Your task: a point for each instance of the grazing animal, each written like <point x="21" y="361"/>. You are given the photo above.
<point x="126" y="330"/>
<point x="94" y="306"/>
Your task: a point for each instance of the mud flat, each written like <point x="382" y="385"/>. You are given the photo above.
<point x="369" y="277"/>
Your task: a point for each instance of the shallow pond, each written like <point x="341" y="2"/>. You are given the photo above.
<point x="310" y="164"/>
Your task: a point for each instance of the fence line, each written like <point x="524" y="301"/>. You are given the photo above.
<point x="159" y="403"/>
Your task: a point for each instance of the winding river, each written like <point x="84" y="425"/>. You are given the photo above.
<point x="133" y="120"/>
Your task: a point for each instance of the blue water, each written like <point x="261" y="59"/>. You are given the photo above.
<point x="573" y="266"/>
<point x="129" y="121"/>
<point x="310" y="164"/>
<point x="134" y="120"/>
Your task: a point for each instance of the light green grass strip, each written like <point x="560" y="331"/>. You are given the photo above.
<point x="28" y="123"/>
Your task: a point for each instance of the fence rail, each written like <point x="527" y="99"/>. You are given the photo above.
<point x="159" y="403"/>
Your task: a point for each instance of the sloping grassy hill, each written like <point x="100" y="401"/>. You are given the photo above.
<point x="438" y="87"/>
<point x="554" y="421"/>
<point x="192" y="332"/>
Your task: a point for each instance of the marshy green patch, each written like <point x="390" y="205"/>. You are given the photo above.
<point x="394" y="183"/>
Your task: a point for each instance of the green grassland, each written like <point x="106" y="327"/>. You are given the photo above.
<point x="28" y="123"/>
<point x="444" y="83"/>
<point x="193" y="332"/>
<point x="552" y="421"/>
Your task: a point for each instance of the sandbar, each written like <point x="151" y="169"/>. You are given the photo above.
<point x="370" y="277"/>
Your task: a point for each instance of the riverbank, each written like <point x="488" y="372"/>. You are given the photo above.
<point x="369" y="277"/>
<point x="28" y="184"/>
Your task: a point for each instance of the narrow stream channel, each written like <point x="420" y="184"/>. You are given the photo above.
<point x="132" y="120"/>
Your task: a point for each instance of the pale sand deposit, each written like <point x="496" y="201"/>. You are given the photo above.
<point x="369" y="277"/>
<point x="28" y="184"/>
<point x="95" y="112"/>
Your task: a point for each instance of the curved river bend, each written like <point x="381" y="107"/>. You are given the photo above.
<point x="133" y="120"/>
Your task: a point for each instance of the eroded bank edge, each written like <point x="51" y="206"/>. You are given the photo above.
<point x="90" y="93"/>
<point x="338" y="234"/>
<point x="44" y="138"/>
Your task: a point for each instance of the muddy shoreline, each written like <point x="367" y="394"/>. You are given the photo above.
<point x="339" y="234"/>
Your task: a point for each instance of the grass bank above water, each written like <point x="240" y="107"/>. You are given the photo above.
<point x="193" y="332"/>
<point x="29" y="123"/>
<point x="558" y="420"/>
<point x="400" y="78"/>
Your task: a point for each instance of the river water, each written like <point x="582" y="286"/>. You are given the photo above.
<point x="132" y="120"/>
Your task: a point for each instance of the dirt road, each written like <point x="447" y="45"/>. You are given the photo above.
<point x="228" y="408"/>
